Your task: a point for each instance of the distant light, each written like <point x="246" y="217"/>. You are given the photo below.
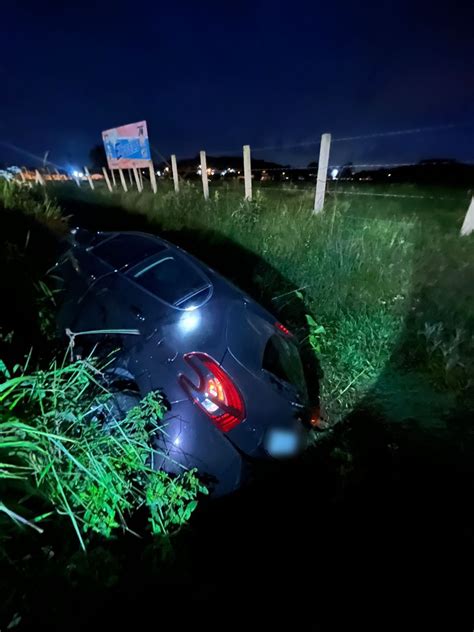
<point x="167" y="169"/>
<point x="75" y="174"/>
<point x="189" y="321"/>
<point x="199" y="172"/>
<point x="389" y="175"/>
<point x="283" y="173"/>
<point x="334" y="173"/>
<point x="158" y="173"/>
<point x="177" y="441"/>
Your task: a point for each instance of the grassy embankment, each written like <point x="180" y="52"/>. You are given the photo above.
<point x="388" y="278"/>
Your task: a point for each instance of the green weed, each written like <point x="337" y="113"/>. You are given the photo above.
<point x="60" y="430"/>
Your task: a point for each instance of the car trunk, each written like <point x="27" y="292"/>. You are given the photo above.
<point x="265" y="364"/>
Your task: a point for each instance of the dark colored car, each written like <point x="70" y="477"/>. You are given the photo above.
<point x="232" y="374"/>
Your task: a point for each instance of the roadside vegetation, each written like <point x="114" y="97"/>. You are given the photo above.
<point x="385" y="281"/>
<point x="68" y="453"/>
<point x="378" y="290"/>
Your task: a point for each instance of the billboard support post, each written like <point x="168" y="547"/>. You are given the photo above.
<point x="122" y="179"/>
<point x="113" y="177"/>
<point x="106" y="176"/>
<point x="137" y="179"/>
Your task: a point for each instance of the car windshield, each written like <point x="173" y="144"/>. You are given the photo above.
<point x="127" y="250"/>
<point x="172" y="279"/>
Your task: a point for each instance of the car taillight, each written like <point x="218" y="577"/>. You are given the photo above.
<point x="215" y="394"/>
<point x="283" y="329"/>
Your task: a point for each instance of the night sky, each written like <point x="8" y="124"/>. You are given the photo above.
<point x="217" y="75"/>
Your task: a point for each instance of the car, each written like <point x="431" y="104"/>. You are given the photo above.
<point x="231" y="373"/>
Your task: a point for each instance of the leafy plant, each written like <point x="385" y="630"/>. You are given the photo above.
<point x="316" y="333"/>
<point x="62" y="430"/>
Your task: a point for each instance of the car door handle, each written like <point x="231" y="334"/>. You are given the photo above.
<point x="139" y="315"/>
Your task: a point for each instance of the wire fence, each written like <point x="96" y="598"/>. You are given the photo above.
<point x="322" y="176"/>
<point x="325" y="170"/>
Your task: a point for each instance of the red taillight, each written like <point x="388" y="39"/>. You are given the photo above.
<point x="216" y="394"/>
<point x="283" y="329"/>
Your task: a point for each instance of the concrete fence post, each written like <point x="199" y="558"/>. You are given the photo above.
<point x="322" y="173"/>
<point x="174" y="169"/>
<point x="205" y="183"/>
<point x="154" y="188"/>
<point x="89" y="177"/>
<point x="468" y="224"/>
<point x="39" y="178"/>
<point x="247" y="172"/>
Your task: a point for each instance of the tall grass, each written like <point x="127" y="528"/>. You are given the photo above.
<point x="61" y="431"/>
<point x="383" y="276"/>
<point x="66" y="447"/>
<point x="35" y="203"/>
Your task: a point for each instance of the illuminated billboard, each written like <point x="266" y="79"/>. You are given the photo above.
<point x="127" y="146"/>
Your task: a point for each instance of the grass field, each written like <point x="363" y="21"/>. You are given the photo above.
<point x="388" y="278"/>
<point x="387" y="490"/>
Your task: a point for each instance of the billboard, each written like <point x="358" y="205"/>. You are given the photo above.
<point x="127" y="146"/>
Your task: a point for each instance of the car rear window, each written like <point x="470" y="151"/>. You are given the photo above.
<point x="172" y="279"/>
<point x="281" y="358"/>
<point x="127" y="250"/>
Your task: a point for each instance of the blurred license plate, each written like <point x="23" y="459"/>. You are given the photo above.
<point x="282" y="443"/>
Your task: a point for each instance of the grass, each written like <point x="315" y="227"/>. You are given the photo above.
<point x="52" y="436"/>
<point x="387" y="277"/>
<point x="64" y="441"/>
<point x="387" y="283"/>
